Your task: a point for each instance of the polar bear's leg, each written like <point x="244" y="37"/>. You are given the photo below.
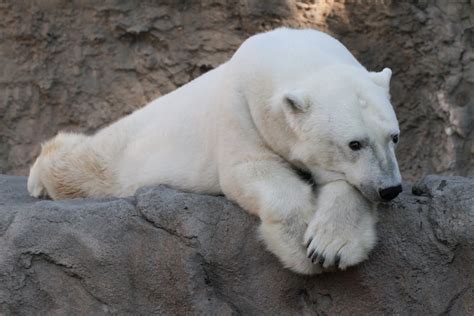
<point x="50" y="165"/>
<point x="36" y="187"/>
<point x="342" y="231"/>
<point x="68" y="167"/>
<point x="284" y="203"/>
<point x="284" y="239"/>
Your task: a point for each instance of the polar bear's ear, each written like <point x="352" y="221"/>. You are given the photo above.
<point x="382" y="78"/>
<point x="296" y="101"/>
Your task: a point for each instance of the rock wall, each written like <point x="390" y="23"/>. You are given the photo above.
<point x="83" y="64"/>
<point x="165" y="252"/>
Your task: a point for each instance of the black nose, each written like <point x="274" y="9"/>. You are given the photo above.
<point x="390" y="193"/>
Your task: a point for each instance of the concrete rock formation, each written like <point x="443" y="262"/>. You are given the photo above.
<point x="167" y="252"/>
<point x="81" y="65"/>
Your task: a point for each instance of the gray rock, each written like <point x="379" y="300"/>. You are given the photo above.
<point x="169" y="252"/>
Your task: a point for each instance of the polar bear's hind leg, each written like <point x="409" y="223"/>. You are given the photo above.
<point x="68" y="167"/>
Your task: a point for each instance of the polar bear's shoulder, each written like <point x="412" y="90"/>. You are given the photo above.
<point x="285" y="41"/>
<point x="291" y="37"/>
<point x="292" y="50"/>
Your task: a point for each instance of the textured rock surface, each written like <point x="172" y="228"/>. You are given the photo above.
<point x="167" y="252"/>
<point x="81" y="65"/>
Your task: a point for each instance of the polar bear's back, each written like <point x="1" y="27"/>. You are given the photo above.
<point x="289" y="52"/>
<point x="294" y="42"/>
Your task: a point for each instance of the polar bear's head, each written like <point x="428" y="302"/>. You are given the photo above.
<point x="343" y="125"/>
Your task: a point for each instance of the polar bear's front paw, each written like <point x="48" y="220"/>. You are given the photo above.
<point x="338" y="244"/>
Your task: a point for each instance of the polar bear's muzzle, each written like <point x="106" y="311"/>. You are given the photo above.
<point x="390" y="193"/>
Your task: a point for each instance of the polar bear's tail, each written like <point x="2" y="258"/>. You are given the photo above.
<point x="68" y="167"/>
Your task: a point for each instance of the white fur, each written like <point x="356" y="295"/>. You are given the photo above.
<point x="339" y="228"/>
<point x="287" y="99"/>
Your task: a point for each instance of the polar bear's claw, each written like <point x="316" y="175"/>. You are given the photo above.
<point x="321" y="260"/>
<point x="337" y="260"/>
<point x="317" y="258"/>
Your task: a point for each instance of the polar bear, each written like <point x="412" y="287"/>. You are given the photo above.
<point x="288" y="103"/>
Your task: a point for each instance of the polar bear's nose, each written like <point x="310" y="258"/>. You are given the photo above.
<point x="388" y="194"/>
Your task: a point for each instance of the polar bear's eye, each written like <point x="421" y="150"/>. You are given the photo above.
<point x="355" y="145"/>
<point x="395" y="138"/>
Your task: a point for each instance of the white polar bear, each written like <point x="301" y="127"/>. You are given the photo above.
<point x="288" y="101"/>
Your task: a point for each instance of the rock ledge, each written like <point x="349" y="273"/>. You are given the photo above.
<point x="168" y="252"/>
